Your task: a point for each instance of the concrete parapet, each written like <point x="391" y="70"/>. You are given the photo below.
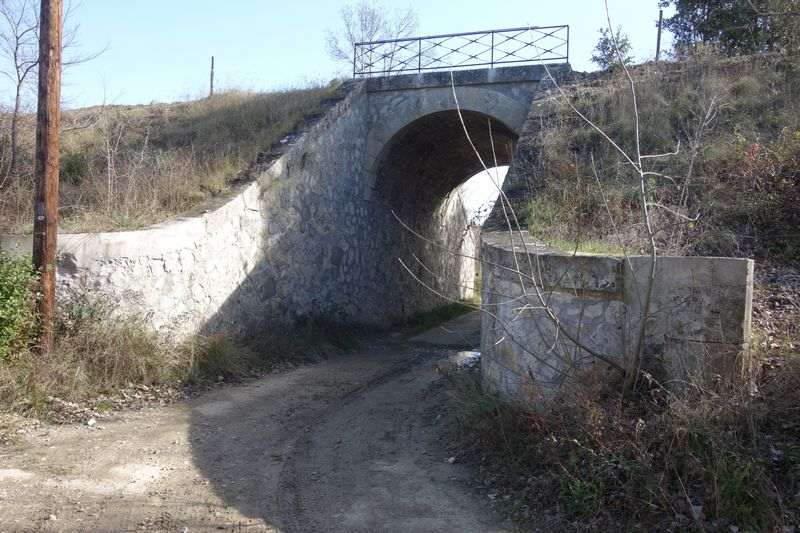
<point x="698" y="326"/>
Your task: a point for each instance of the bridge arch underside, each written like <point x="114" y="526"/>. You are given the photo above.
<point x="417" y="174"/>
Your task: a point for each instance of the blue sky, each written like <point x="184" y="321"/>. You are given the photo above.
<point x="159" y="50"/>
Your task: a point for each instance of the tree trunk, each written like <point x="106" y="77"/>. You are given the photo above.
<point x="45" y="225"/>
<point x="12" y="166"/>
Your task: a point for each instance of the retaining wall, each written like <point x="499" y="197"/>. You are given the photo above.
<point x="177" y="274"/>
<point x="699" y="325"/>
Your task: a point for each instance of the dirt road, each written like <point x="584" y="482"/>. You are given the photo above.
<point x="350" y="444"/>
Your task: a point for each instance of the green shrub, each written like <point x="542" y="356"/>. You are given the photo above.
<point x="17" y="315"/>
<point x="74" y="167"/>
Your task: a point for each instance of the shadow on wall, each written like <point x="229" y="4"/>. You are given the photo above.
<point x="332" y="237"/>
<point x="331" y="245"/>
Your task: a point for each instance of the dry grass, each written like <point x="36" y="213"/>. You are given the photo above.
<point x="106" y="359"/>
<point x="124" y="167"/>
<point x="700" y="461"/>
<point x="100" y="356"/>
<point x="739" y="172"/>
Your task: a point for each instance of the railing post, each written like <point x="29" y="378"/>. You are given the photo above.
<point x="492" y="58"/>
<point x="419" y="56"/>
<point x="355" y="52"/>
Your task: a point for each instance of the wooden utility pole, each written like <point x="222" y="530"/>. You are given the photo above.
<point x="660" y="25"/>
<point x="45" y="224"/>
<point x="211" y="91"/>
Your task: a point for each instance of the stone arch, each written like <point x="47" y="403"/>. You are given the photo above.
<point x="392" y="114"/>
<point x="415" y="172"/>
<point x="431" y="156"/>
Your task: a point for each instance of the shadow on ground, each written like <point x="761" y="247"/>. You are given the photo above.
<point x="350" y="444"/>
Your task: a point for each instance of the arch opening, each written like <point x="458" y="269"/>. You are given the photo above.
<point x="480" y="192"/>
<point x="419" y="177"/>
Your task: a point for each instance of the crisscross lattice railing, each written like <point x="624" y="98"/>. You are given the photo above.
<point x="462" y="50"/>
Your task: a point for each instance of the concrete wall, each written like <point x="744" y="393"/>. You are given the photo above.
<point x="699" y="326"/>
<point x="316" y="234"/>
<point x="177" y="274"/>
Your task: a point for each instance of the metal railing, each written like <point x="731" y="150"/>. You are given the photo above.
<point x="461" y="51"/>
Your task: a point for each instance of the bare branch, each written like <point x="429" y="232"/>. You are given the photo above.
<point x="668" y="154"/>
<point x="673" y="212"/>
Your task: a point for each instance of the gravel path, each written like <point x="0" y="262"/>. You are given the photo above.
<point x="350" y="444"/>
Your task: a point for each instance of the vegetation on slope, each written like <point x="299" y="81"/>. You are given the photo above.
<point x="125" y="167"/>
<point x="700" y="461"/>
<point x="97" y="353"/>
<point x="737" y="172"/>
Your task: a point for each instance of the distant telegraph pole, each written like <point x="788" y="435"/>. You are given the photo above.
<point x="211" y="90"/>
<point x="660" y="25"/>
<point x="45" y="224"/>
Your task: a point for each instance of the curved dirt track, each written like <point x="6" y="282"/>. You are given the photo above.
<point x="350" y="444"/>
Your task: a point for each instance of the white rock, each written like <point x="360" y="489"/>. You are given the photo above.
<point x="697" y="512"/>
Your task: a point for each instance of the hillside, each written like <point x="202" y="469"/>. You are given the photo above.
<point x="732" y="188"/>
<point x="126" y="167"/>
<point x="728" y="186"/>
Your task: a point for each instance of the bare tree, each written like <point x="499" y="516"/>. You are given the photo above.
<point x="365" y="21"/>
<point x="19" y="43"/>
<point x="19" y="46"/>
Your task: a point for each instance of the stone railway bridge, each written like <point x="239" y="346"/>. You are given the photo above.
<point x="324" y="227"/>
<point x="318" y="232"/>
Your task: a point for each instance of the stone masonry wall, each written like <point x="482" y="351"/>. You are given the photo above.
<point x="290" y="245"/>
<point x="312" y="236"/>
<point x="699" y="326"/>
<point x="176" y="274"/>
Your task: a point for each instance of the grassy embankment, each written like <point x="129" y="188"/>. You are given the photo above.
<point x="126" y="167"/>
<point x="738" y="125"/>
